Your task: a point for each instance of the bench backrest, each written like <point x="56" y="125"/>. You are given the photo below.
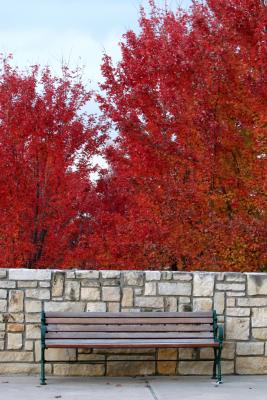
<point x="129" y="325"/>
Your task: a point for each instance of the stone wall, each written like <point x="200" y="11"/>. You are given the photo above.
<point x="240" y="301"/>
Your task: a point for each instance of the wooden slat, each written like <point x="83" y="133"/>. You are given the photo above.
<point x="128" y="321"/>
<point x="129" y="335"/>
<point x="198" y="314"/>
<point x="94" y="343"/>
<point x="130" y="328"/>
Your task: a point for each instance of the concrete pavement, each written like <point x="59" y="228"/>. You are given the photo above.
<point x="150" y="388"/>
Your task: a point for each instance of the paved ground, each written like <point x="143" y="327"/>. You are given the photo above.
<point x="151" y="388"/>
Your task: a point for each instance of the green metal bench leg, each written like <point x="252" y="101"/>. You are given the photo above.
<point x="219" y="371"/>
<point x="214" y="374"/>
<point x="42" y="373"/>
<point x="42" y="359"/>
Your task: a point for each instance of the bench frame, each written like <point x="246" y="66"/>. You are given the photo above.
<point x="218" y="336"/>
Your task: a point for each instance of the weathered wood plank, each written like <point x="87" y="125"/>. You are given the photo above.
<point x="134" y="321"/>
<point x="197" y="314"/>
<point x="129" y="335"/>
<point x="130" y="328"/>
<point x="93" y="343"/>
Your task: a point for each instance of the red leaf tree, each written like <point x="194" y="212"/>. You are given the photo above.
<point x="187" y="187"/>
<point x="46" y="144"/>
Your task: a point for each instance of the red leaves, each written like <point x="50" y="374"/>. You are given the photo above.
<point x="42" y="134"/>
<point x="187" y="105"/>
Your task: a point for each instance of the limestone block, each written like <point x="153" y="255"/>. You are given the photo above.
<point x="33" y="306"/>
<point x="110" y="274"/>
<point x="98" y="306"/>
<point x="202" y="304"/>
<point x="252" y="302"/>
<point x="72" y="290"/>
<point x="3" y="293"/>
<point x="203" y="284"/>
<point x="206" y="353"/>
<point x="180" y="276"/>
<point x="251" y="365"/>
<point x="127" y="297"/>
<point x="90" y="293"/>
<point x="110" y="282"/>
<point x="238" y="312"/>
<point x="259" y="333"/>
<point x="14" y="341"/>
<point x="170" y="304"/>
<point x="184" y="300"/>
<point x="138" y="291"/>
<point x="249" y="348"/>
<point x="166" y="275"/>
<point x="130" y="368"/>
<point x="230" y="302"/>
<point x="90" y="283"/>
<point x="54" y="354"/>
<point x="45" y="284"/>
<point x="3" y="273"/>
<point x="64" y="306"/>
<point x="29" y="274"/>
<point x="184" y="307"/>
<point x="28" y="345"/>
<point x="259" y="317"/>
<point x="228" y="351"/>
<point x="22" y="368"/>
<point x="133" y="278"/>
<point x="111" y="293"/>
<point x="15" y="300"/>
<point x="32" y="318"/>
<point x="153" y="275"/>
<point x="149" y="302"/>
<point x="33" y="331"/>
<point x="27" y="284"/>
<point x="58" y="284"/>
<point x="89" y="274"/>
<point x="79" y="369"/>
<point x="15" y="327"/>
<point x="235" y="277"/>
<point x="257" y="284"/>
<point x="114" y="307"/>
<point x="236" y="287"/>
<point x="235" y="294"/>
<point x="91" y="357"/>
<point x="203" y="367"/>
<point x="167" y="354"/>
<point x="70" y="274"/>
<point x="14" y="317"/>
<point x="166" y="367"/>
<point x="174" y="288"/>
<point x="237" y="328"/>
<point x="2" y="344"/>
<point x="2" y="327"/>
<point x="39" y="294"/>
<point x="150" y="289"/>
<point x="16" y="356"/>
<point x="219" y="300"/>
<point x="7" y="284"/>
<point x="195" y="367"/>
<point x="188" y="354"/>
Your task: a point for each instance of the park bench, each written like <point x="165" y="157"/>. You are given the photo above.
<point x="131" y="330"/>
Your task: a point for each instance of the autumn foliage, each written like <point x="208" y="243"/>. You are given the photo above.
<point x="186" y="184"/>
<point x="46" y="142"/>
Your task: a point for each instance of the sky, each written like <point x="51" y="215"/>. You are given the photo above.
<point x="76" y="32"/>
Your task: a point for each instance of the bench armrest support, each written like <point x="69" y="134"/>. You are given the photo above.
<point x="219" y="334"/>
